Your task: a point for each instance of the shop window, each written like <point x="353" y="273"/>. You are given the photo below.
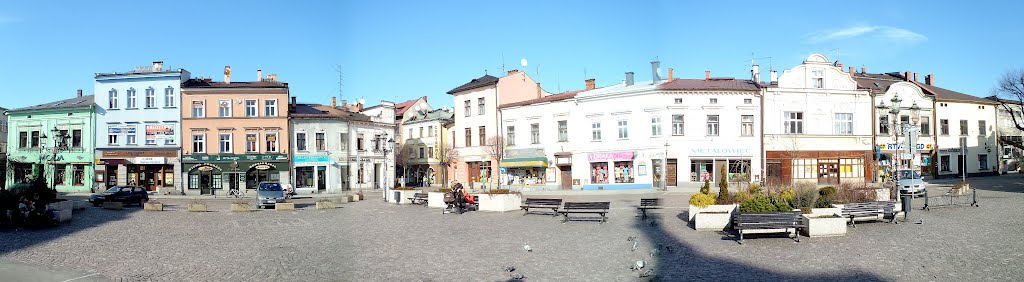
<point x="739" y="170"/>
<point x="304" y="177"/>
<point x="805" y="169"/>
<point x="60" y="174"/>
<point x="983" y="162"/>
<point x="169" y="177"/>
<point x="78" y="175"/>
<point x="22" y="173"/>
<point x="624" y="172"/>
<point x="851" y="168"/>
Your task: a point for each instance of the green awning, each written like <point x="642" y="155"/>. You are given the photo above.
<point x="525" y="162"/>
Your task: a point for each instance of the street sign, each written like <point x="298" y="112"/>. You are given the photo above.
<point x="503" y="170"/>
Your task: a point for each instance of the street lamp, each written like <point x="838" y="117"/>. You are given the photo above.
<point x="385" y="145"/>
<point x="59" y="144"/>
<point x="906" y="128"/>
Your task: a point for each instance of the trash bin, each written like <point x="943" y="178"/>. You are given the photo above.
<point x="906" y="199"/>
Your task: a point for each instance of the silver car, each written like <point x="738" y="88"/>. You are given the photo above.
<point x="269" y="194"/>
<point x="910" y="182"/>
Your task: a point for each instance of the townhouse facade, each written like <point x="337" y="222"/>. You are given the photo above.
<point x="236" y="134"/>
<point x="815" y="126"/>
<point x="371" y="157"/>
<point x="319" y="148"/>
<point x="138" y="124"/>
<point x="53" y="140"/>
<point x="976" y="120"/>
<point x="425" y="140"/>
<point x="1011" y="136"/>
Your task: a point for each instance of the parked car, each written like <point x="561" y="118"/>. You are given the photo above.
<point x="124" y="194"/>
<point x="269" y="194"/>
<point x="910" y="182"/>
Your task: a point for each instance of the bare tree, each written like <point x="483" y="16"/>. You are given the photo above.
<point x="447" y="158"/>
<point x="495" y="148"/>
<point x="1010" y="95"/>
<point x="402" y="157"/>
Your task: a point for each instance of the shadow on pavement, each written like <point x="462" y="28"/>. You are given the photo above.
<point x="16" y="239"/>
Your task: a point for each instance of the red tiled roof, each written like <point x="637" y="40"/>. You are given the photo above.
<point x="548" y="98"/>
<point x="400" y="108"/>
<point x="710" y="84"/>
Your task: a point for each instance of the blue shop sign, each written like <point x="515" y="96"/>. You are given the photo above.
<point x="319" y="159"/>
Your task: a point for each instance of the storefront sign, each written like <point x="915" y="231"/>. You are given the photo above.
<point x="149" y="160"/>
<point x="246" y="157"/>
<point x="121" y="130"/>
<point x="159" y="133"/>
<point x="314" y="160"/>
<point x="138" y="153"/>
<point x="204" y="167"/>
<point x="899" y="146"/>
<point x="610" y="156"/>
<point x="524" y="153"/>
<point x="950" y="150"/>
<point x="263" y="166"/>
<point x="721" y="152"/>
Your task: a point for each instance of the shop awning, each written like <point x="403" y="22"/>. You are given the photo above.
<point x="525" y="162"/>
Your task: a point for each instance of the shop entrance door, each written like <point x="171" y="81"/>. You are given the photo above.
<point x="773" y="177"/>
<point x="233" y="179"/>
<point x="205" y="184"/>
<point x="671" y="170"/>
<point x="566" y="177"/>
<point x="321" y="178"/>
<point x="376" y="176"/>
<point x="344" y="178"/>
<point x="960" y="165"/>
<point x="828" y="173"/>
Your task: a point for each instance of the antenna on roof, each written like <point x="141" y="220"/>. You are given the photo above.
<point x="837" y="53"/>
<point x="502" y="62"/>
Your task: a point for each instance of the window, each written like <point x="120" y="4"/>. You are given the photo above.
<point x="926" y="126"/>
<point x="883" y="125"/>
<point x="535" y="133"/>
<point x="469" y="137"/>
<point x="850" y="168"/>
<point x="510" y="135"/>
<point x="198" y="143"/>
<point x="225" y="142"/>
<point x="983" y="161"/>
<point x="483" y="136"/>
<point x="944" y="163"/>
<point x="59" y="174"/>
<point x="712" y="125"/>
<point x="818" y="78"/>
<point x="360" y="143"/>
<point x="321" y="141"/>
<point x="747" y="125"/>
<point x="655" y="126"/>
<point x="981" y="128"/>
<point x="430" y="152"/>
<point x="343" y="141"/>
<point x="37" y="140"/>
<point x="250" y="108"/>
<point x="300" y="141"/>
<point x="76" y="138"/>
<point x="23" y="139"/>
<point x="271" y="142"/>
<point x="198" y="109"/>
<point x="251" y="143"/>
<point x="421" y="152"/>
<point x="130" y="139"/>
<point x="270" y="108"/>
<point x="678" y="100"/>
<point x="22" y="173"/>
<point x="713" y="101"/>
<point x="113" y="99"/>
<point x="78" y="174"/>
<point x="468" y="110"/>
<point x="169" y="99"/>
<point x="131" y="98"/>
<point x="150" y="97"/>
<point x="748" y="101"/>
<point x="805" y="169"/>
<point x="563" y="131"/>
<point x="410" y="133"/>
<point x="430" y="131"/>
<point x="224" y="109"/>
<point x="677" y="125"/>
<point x="624" y="172"/>
<point x="595" y="131"/>
<point x="623" y="129"/>
<point x="963" y="127"/>
<point x="944" y="127"/>
<point x="480" y="105"/>
<point x="112" y="139"/>
<point x="793" y="122"/>
<point x="843" y="124"/>
<point x="421" y="132"/>
<point x="376" y="142"/>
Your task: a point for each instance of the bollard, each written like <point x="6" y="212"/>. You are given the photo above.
<point x="925" y="200"/>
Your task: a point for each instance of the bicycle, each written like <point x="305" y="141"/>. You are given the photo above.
<point x="235" y="192"/>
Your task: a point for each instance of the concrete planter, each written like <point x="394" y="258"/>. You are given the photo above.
<point x="80" y="205"/>
<point x="343" y="199"/>
<point x="712" y="220"/>
<point x="153" y="207"/>
<point x="113" y="205"/>
<point x="197" y="207"/>
<point x="284" y="206"/>
<point x="241" y="207"/>
<point x="820" y="212"/>
<point x="401" y="197"/>
<point x="356" y="197"/>
<point x="325" y="205"/>
<point x="824" y="226"/>
<point x="500" y="202"/>
<point x="63" y="205"/>
<point x="436" y="200"/>
<point x="63" y="215"/>
<point x="694" y="210"/>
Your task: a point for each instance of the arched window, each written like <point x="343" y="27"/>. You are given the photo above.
<point x="131" y="99"/>
<point x="150" y="97"/>
<point x="169" y="99"/>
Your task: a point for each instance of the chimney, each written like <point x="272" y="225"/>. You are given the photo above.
<point x="929" y="79"/>
<point x="774" y="76"/>
<point x="293" y="100"/>
<point x="272" y="77"/>
<point x="227" y="74"/>
<point x="590" y="84"/>
<point x="511" y="72"/>
<point x="259" y="75"/>
<point x="840" y="66"/>
<point x="906" y="76"/>
<point x="334" y="101"/>
<point x="915" y="77"/>
<point x="539" y="90"/>
<point x="755" y="73"/>
<point x="629" y="78"/>
<point x="863" y="69"/>
<point x="79" y="93"/>
<point x="158" y="66"/>
<point x="344" y="104"/>
<point x="654" y="71"/>
<point x="707" y="75"/>
<point x="669" y="74"/>
<point x="851" y="71"/>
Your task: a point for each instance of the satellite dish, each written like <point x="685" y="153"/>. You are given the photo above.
<point x="362" y="101"/>
<point x="523" y="62"/>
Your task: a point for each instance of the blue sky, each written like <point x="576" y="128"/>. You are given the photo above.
<point x="396" y="50"/>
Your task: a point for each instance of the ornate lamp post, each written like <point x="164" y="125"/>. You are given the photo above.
<point x="385" y="146"/>
<point x="908" y="129"/>
<point x="60" y="144"/>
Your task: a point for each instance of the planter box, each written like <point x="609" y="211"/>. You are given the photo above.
<point x="712" y="220"/>
<point x="343" y="199"/>
<point x="197" y="207"/>
<point x="113" y="205"/>
<point x="500" y="202"/>
<point x="355" y="197"/>
<point x="401" y="197"/>
<point x="284" y="206"/>
<point x="436" y="200"/>
<point x="824" y="226"/>
<point x="63" y="205"/>
<point x="821" y="212"/>
<point x="694" y="210"/>
<point x="63" y="215"/>
<point x="325" y="205"/>
<point x="80" y="205"/>
<point x="241" y="207"/>
<point x="153" y="207"/>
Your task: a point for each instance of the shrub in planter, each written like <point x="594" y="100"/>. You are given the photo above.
<point x="755" y="189"/>
<point x="757" y="204"/>
<point x="723" y="186"/>
<point x="706" y="189"/>
<point x="702" y="200"/>
<point x="851" y="193"/>
<point x="826" y="197"/>
<point x="804" y="198"/>
<point x="780" y="202"/>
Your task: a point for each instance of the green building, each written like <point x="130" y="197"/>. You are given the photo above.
<point x="55" y="140"/>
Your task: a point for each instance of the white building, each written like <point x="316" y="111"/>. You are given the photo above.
<point x="320" y="148"/>
<point x="965" y="119"/>
<point x="888" y="130"/>
<point x="371" y="153"/>
<point x="1010" y="136"/>
<point x="423" y="145"/>
<point x="817" y="126"/>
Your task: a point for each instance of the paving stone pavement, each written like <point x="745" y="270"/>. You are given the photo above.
<point x="374" y="241"/>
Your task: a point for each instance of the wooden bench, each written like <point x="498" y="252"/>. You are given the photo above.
<point x="768" y="220"/>
<point x="599" y="208"/>
<point x="647" y="204"/>
<point x="552" y="204"/>
<point x="418" y="199"/>
<point x="869" y="209"/>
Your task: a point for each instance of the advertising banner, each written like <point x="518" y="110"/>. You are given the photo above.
<point x="159" y="133"/>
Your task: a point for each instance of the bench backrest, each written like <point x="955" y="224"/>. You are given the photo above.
<point x="587" y="205"/>
<point x="869" y="206"/>
<point x="768" y="217"/>
<point x="650" y="202"/>
<point x="543" y="202"/>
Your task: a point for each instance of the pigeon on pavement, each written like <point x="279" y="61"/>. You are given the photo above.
<point x="654" y="252"/>
<point x="638" y="265"/>
<point x="647" y="273"/>
<point x="527" y="248"/>
<point x="510" y="268"/>
<point x="516" y="276"/>
<point x="630" y="238"/>
<point x="635" y="246"/>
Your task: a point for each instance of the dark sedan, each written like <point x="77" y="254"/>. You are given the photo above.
<point x="124" y="194"/>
